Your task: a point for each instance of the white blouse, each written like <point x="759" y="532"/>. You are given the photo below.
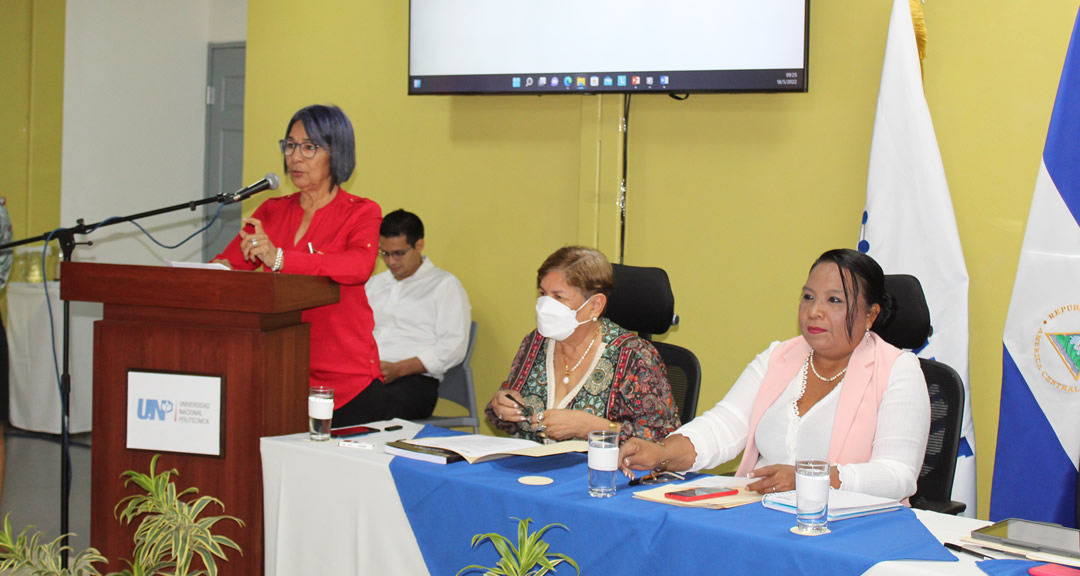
<point x="903" y="425"/>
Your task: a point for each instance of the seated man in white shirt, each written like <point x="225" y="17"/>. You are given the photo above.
<point x="422" y="318"/>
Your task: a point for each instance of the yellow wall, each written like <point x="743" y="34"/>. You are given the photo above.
<point x="32" y="42"/>
<point x="733" y="194"/>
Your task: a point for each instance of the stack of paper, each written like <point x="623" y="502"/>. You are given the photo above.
<point x="743" y="497"/>
<point x="842" y="503"/>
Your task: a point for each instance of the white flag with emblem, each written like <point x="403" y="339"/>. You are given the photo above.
<point x="908" y="224"/>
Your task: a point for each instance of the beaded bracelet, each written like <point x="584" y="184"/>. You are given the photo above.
<point x="279" y="260"/>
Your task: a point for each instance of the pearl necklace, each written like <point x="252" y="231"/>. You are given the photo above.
<point x="568" y="370"/>
<point x="820" y="377"/>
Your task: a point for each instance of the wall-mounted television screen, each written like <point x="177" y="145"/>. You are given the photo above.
<point x="595" y="46"/>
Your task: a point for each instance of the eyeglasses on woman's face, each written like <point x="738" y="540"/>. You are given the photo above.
<point x="307" y="148"/>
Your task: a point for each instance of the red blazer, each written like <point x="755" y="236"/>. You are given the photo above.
<point x="341" y="242"/>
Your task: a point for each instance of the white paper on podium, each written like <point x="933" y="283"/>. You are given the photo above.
<point x="198" y="265"/>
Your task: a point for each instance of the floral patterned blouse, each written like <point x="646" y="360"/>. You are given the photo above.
<point x="626" y="383"/>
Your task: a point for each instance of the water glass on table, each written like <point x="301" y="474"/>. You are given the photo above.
<point x="320" y="412"/>
<point x="603" y="463"/>
<point x="812" y="479"/>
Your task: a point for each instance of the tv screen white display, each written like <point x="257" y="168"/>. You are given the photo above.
<point x="595" y="46"/>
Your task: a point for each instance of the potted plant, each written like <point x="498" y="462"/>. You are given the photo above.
<point x="529" y="558"/>
<point x="169" y="536"/>
<point x="26" y="554"/>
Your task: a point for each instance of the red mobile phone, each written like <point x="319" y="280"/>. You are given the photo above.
<point x="1052" y="570"/>
<point x="692" y="494"/>
<point x="352" y="431"/>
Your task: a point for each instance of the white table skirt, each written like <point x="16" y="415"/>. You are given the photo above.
<point x="34" y="394"/>
<point x="335" y="510"/>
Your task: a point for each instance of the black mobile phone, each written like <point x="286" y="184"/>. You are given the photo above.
<point x="352" y="431"/>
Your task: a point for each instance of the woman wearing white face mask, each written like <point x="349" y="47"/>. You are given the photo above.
<point x="578" y="371"/>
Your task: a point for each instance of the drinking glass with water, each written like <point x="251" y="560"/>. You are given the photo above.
<point x="812" y="479"/>
<point x="320" y="412"/>
<point x="603" y="463"/>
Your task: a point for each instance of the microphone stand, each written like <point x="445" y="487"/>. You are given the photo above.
<point x="66" y="237"/>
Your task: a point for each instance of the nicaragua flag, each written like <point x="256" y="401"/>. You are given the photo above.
<point x="1039" y="427"/>
<point x="909" y="226"/>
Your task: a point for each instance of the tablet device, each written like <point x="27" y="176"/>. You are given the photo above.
<point x="1052" y="538"/>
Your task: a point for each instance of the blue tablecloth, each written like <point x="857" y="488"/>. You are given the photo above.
<point x="1005" y="567"/>
<point x="448" y="504"/>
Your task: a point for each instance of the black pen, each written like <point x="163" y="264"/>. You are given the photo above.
<point x="959" y="548"/>
<point x="524" y="409"/>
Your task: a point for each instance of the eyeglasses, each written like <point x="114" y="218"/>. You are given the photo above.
<point x="657" y="476"/>
<point x="307" y="149"/>
<point x="395" y="254"/>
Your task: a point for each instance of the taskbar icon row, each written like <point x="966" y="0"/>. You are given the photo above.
<point x="583" y="82"/>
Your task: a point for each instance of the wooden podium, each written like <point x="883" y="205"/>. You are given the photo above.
<point x="242" y="326"/>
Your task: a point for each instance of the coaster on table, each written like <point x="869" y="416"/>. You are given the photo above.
<point x="795" y="530"/>
<point x="535" y="480"/>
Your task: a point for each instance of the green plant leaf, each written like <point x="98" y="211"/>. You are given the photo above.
<point x="529" y="558"/>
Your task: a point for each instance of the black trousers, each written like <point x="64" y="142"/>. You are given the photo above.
<point x="367" y="406"/>
<point x="411" y="397"/>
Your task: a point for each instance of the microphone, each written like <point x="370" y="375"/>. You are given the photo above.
<point x="269" y="182"/>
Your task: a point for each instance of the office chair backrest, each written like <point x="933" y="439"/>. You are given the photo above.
<point x="684" y="376"/>
<point x="946" y="417"/>
<point x="910" y="328"/>
<point x="643" y="302"/>
<point x="457" y="386"/>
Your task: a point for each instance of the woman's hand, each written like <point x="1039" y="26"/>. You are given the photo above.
<point x="775" y="478"/>
<point x="676" y="452"/>
<point x="506" y="409"/>
<point x="638" y="454"/>
<point x="257" y="245"/>
<point x="564" y="424"/>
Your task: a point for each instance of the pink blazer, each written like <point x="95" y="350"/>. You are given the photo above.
<point x="856" y="411"/>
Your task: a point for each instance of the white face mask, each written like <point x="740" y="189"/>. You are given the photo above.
<point x="556" y="320"/>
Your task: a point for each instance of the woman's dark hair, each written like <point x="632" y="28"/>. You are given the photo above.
<point x="402" y="223"/>
<point x="330" y="128"/>
<point x="869" y="284"/>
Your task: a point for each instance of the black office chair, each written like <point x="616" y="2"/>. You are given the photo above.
<point x="457" y="386"/>
<point x="910" y="328"/>
<point x="642" y="302"/>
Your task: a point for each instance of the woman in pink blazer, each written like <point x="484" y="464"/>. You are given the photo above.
<point x="836" y="392"/>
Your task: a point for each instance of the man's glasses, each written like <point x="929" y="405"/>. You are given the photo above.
<point x="307" y="149"/>
<point x="395" y="254"/>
